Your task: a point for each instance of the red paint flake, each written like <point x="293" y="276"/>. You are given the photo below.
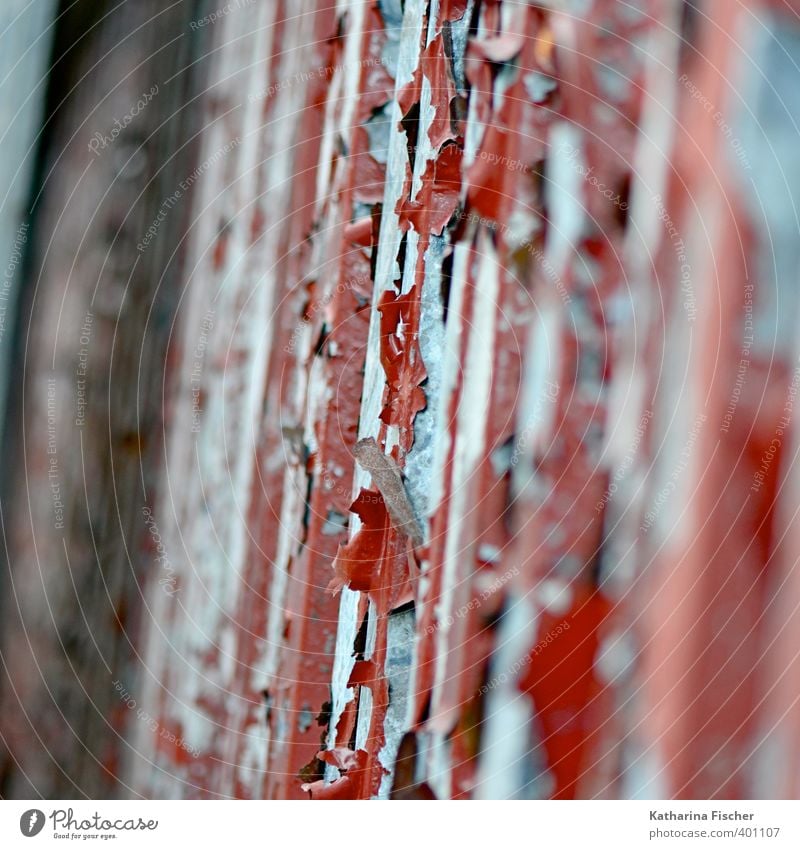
<point x="401" y="358"/>
<point x="358" y="562"/>
<point x="352" y="764"/>
<point x="442" y="181"/>
<point x="560" y="678"/>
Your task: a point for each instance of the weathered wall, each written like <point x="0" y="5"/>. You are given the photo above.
<point x="25" y="39"/>
<point x="83" y="436"/>
<point x="502" y="241"/>
<point x="476" y="471"/>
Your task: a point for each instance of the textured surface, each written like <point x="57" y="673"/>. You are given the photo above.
<point x="544" y="259"/>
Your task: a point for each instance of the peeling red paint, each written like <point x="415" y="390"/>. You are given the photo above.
<point x="458" y="285"/>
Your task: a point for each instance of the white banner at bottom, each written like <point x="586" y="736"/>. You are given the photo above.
<point x="234" y="824"/>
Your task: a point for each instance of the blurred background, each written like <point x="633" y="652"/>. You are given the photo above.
<point x="398" y="399"/>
